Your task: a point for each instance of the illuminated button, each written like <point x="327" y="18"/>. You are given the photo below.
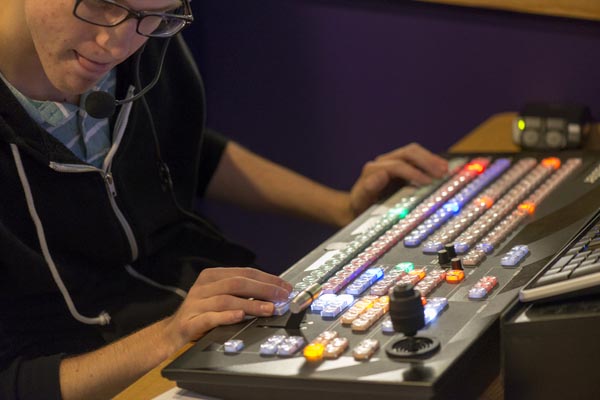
<point x="405" y="266"/>
<point x="413" y="279"/>
<point x="527" y="207"/>
<point x="433" y="308"/>
<point x="361" y="324"/>
<point x="475" y="167"/>
<point x="269" y="347"/>
<point x="420" y="272"/>
<point x="412" y="241"/>
<point x="432" y="246"/>
<point x="461" y="247"/>
<point x="485" y="201"/>
<point x="335" y="348"/>
<point x="477" y="293"/>
<point x="314" y="352"/>
<point x="474" y="257"/>
<point x="357" y="309"/>
<point x="455" y="276"/>
<point x="337" y="306"/>
<point x="551" y="162"/>
<point x="290" y="345"/>
<point x="514" y="256"/>
<point x="321" y="302"/>
<point x="325" y="337"/>
<point x="365" y="349"/>
<point x="387" y="326"/>
<point x="233" y="346"/>
<point x="364" y="281"/>
<point x="349" y="316"/>
<point x="383" y="286"/>
<point x="452" y="206"/>
<point x="485" y="247"/>
<point x="370" y="315"/>
<point x="483" y="287"/>
<point x="399" y="212"/>
<point x="281" y="307"/>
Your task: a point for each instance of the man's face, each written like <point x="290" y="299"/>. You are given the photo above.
<point x="75" y="54"/>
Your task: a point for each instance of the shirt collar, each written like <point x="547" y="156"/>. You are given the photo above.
<point x="54" y="113"/>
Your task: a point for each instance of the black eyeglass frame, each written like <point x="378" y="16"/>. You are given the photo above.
<point x="187" y="18"/>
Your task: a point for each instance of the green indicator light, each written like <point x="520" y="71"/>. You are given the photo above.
<point x="521" y="124"/>
<point x="405" y="266"/>
<point x="399" y="212"/>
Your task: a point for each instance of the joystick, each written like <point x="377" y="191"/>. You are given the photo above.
<point x="407" y="315"/>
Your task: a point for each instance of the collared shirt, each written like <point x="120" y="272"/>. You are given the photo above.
<point x="87" y="137"/>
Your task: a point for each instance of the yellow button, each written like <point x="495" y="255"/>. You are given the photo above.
<point x="314" y="351"/>
<point x="455" y="276"/>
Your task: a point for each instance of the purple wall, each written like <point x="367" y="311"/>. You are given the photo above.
<point x="322" y="86"/>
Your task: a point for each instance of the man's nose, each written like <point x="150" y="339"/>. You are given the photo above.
<point x="118" y="40"/>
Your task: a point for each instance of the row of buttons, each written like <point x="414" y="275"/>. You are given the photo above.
<point x="440" y="197"/>
<point x="522" y="211"/>
<point x="477" y="207"/>
<point x="454" y="205"/>
<point x="492" y="217"/>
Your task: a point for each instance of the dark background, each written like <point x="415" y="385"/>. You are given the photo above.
<point x="323" y="86"/>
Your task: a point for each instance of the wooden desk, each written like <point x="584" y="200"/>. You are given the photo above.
<point x="493" y="135"/>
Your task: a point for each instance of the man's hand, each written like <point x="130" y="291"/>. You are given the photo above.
<point x="412" y="163"/>
<point x="219" y="296"/>
<point x="223" y="296"/>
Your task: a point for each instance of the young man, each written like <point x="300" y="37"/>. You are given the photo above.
<point x="102" y="261"/>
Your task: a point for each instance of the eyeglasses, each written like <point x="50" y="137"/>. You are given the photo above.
<point x="109" y="13"/>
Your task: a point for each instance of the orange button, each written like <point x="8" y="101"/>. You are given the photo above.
<point x="527" y="207"/>
<point x="551" y="162"/>
<point x="420" y="272"/>
<point x="455" y="276"/>
<point x="486" y="201"/>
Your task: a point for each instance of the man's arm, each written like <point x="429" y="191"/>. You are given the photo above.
<point x="220" y="296"/>
<point x="247" y="179"/>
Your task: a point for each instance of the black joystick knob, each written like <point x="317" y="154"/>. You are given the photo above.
<point x="407" y="315"/>
<point x="443" y="258"/>
<point x="449" y="247"/>
<point x="406" y="309"/>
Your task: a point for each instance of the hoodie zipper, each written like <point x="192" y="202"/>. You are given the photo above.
<point x="112" y="192"/>
<point x="105" y="172"/>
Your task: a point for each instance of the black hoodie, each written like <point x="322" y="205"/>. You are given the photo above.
<point x="102" y="229"/>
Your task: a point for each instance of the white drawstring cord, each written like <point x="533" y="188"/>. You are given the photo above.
<point x="103" y="318"/>
<point x="180" y="292"/>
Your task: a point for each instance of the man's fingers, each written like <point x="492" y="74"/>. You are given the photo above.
<point x="241" y="287"/>
<point x="216" y="274"/>
<point x="396" y="168"/>
<point x="420" y="157"/>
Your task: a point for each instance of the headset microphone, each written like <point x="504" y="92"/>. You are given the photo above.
<point x="101" y="104"/>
